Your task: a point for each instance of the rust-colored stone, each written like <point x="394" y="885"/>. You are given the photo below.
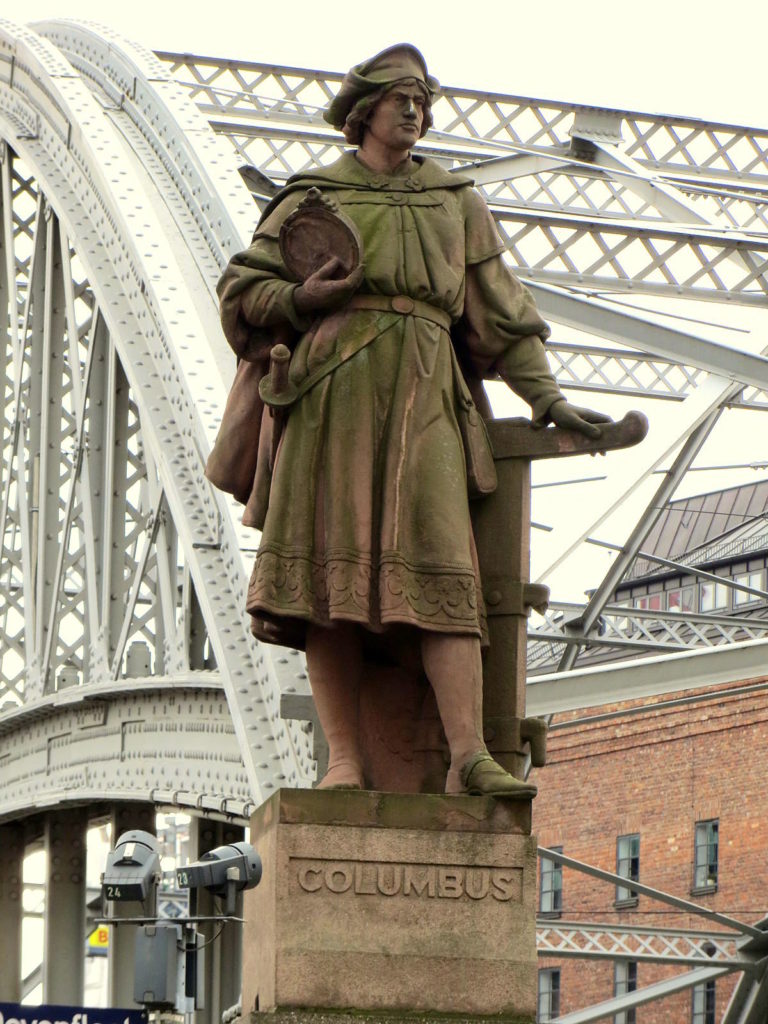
<point x="383" y="915"/>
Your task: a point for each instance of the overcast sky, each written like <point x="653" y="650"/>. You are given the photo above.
<point x="702" y="58"/>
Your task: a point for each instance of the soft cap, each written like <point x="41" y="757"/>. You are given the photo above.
<point x="390" y="66"/>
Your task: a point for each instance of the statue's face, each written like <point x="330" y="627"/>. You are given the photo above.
<point x="396" y="120"/>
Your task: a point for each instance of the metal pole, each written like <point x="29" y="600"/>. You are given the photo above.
<point x="11" y="912"/>
<point x="612" y="578"/>
<point x="223" y="962"/>
<point x="63" y="956"/>
<point x="124" y="818"/>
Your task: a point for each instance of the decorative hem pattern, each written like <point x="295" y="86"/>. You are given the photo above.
<point x="347" y="586"/>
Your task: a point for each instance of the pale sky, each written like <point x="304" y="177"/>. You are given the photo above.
<point x="704" y="58"/>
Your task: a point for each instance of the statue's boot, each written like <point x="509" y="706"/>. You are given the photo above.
<point x="482" y="776"/>
<point x="343" y="775"/>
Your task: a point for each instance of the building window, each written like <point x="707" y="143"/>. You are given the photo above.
<point x="703" y="1003"/>
<point x="713" y="596"/>
<point x="625" y="980"/>
<point x="681" y="599"/>
<point x="747" y="579"/>
<point x="551" y="885"/>
<point x="705" y="856"/>
<point x="548" y="1005"/>
<point x="628" y="866"/>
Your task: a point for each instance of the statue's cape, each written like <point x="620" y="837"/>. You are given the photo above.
<point x="347" y="172"/>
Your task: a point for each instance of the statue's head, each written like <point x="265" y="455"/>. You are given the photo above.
<point x="366" y="83"/>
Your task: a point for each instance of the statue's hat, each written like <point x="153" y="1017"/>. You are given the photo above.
<point x="391" y="65"/>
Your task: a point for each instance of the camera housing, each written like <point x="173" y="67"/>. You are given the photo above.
<point x="133" y="869"/>
<point x="235" y="866"/>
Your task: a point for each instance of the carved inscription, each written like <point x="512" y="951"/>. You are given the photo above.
<point x="427" y="881"/>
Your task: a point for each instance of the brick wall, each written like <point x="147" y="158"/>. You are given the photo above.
<point x="656" y="772"/>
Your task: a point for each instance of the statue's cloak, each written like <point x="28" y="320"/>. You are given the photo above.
<point x="366" y="515"/>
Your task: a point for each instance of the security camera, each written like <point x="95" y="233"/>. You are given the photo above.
<point x="225" y="871"/>
<point x="133" y="868"/>
<point x="236" y="863"/>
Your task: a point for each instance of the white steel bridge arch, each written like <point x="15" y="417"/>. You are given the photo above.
<point x="145" y="231"/>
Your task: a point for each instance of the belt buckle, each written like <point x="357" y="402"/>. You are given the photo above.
<point x="402" y="304"/>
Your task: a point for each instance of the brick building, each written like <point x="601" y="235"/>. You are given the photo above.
<point x="669" y="791"/>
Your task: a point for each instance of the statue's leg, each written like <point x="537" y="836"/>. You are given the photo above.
<point x="335" y="662"/>
<point x="453" y="666"/>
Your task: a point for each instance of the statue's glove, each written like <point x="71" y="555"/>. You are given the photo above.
<point x="572" y="417"/>
<point x="321" y="291"/>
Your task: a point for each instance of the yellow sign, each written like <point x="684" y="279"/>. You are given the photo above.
<point x="98" y="941"/>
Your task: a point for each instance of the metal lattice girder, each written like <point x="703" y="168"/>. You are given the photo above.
<point x="626" y="372"/>
<point x="677" y="145"/>
<point x="111" y="534"/>
<point x="621" y="372"/>
<point x="554" y="692"/>
<point x="590" y="941"/>
<point x="581" y="196"/>
<point x="624" y="627"/>
<point x="741" y="948"/>
<point x="610" y="1009"/>
<point x="629" y="255"/>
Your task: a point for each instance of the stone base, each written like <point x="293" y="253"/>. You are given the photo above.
<point x="374" y="1017"/>
<point x="392" y="904"/>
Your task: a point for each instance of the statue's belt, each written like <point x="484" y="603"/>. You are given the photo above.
<point x="288" y="393"/>
<point x="402" y="304"/>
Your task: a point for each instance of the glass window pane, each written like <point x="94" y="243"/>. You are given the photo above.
<point x="627" y="864"/>
<point x="739" y="597"/>
<point x="551" y="885"/>
<point x="713" y="596"/>
<point x="625" y="980"/>
<point x="703" y="1003"/>
<point x="705" y="854"/>
<point x="548" y="1004"/>
<point x="748" y="579"/>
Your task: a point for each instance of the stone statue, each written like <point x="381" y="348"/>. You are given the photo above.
<point x="360" y="478"/>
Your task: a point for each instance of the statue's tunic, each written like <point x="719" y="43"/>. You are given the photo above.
<point x="368" y="516"/>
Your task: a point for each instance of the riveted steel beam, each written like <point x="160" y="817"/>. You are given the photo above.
<point x="102" y="199"/>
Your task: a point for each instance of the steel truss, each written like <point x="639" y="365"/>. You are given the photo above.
<point x="122" y="569"/>
<point x="583" y="196"/>
<point x="634" y="629"/>
<point x="734" y="946"/>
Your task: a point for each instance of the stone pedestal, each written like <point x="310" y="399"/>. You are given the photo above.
<point x="399" y="903"/>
